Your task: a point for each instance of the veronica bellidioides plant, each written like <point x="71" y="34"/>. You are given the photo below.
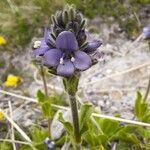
<point x="65" y="51"/>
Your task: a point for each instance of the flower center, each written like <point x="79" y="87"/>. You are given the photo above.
<point x="67" y="55"/>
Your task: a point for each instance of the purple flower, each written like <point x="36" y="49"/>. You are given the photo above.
<point x="146" y="32"/>
<point x="66" y="57"/>
<point x="92" y="46"/>
<point x="40" y="47"/>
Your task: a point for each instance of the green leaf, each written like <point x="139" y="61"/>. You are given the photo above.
<point x="108" y="127"/>
<point x="67" y="125"/>
<point x="47" y="109"/>
<point x="57" y="99"/>
<point x="38" y="137"/>
<point x="38" y="134"/>
<point x="146" y="117"/>
<point x="25" y="147"/>
<point x="45" y="103"/>
<point x="40" y="96"/>
<point x="138" y="103"/>
<point x="144" y="133"/>
<point x="103" y="138"/>
<point x="5" y="146"/>
<point x="128" y="137"/>
<point x="141" y="108"/>
<point x="123" y="146"/>
<point x="94" y="140"/>
<point x="88" y="137"/>
<point x="85" y="113"/>
<point x="61" y="140"/>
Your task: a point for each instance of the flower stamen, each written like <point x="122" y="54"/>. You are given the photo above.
<point x="72" y="59"/>
<point x="61" y="61"/>
<point x="37" y="44"/>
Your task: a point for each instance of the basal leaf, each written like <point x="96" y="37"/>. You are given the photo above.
<point x="94" y="140"/>
<point x="141" y="107"/>
<point x="88" y="137"/>
<point x="85" y="113"/>
<point x="129" y="138"/>
<point x="108" y="127"/>
<point x="67" y="125"/>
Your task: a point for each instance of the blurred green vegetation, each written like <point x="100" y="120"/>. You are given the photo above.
<point x="125" y="12"/>
<point x="23" y="20"/>
<point x="106" y="8"/>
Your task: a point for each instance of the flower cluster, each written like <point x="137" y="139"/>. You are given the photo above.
<point x="64" y="48"/>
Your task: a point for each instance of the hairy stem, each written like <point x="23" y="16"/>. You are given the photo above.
<point x="46" y="94"/>
<point x="44" y="80"/>
<point x="71" y="87"/>
<point x="75" y="118"/>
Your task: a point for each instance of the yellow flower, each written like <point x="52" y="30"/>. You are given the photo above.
<point x="1" y="116"/>
<point x="2" y="41"/>
<point x="12" y="81"/>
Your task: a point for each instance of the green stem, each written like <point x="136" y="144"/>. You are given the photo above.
<point x="147" y="91"/>
<point x="75" y="118"/>
<point x="71" y="87"/>
<point x="44" y="80"/>
<point x="149" y="44"/>
<point x="46" y="94"/>
<point x="148" y="87"/>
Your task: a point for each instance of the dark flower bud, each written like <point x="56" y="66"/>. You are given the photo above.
<point x="72" y="14"/>
<point x="74" y="26"/>
<point x="57" y="30"/>
<point x="84" y="46"/>
<point x="51" y="42"/>
<point x="82" y="24"/>
<point x="78" y="17"/>
<point x="81" y="37"/>
<point x="92" y="46"/>
<point x="53" y="36"/>
<point x="53" y="20"/>
<point x="65" y="17"/>
<point x="59" y="19"/>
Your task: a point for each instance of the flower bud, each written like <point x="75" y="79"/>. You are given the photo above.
<point x="146" y="32"/>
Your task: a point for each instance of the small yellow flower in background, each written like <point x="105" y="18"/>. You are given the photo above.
<point x="1" y="116"/>
<point x="2" y="41"/>
<point x="12" y="81"/>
